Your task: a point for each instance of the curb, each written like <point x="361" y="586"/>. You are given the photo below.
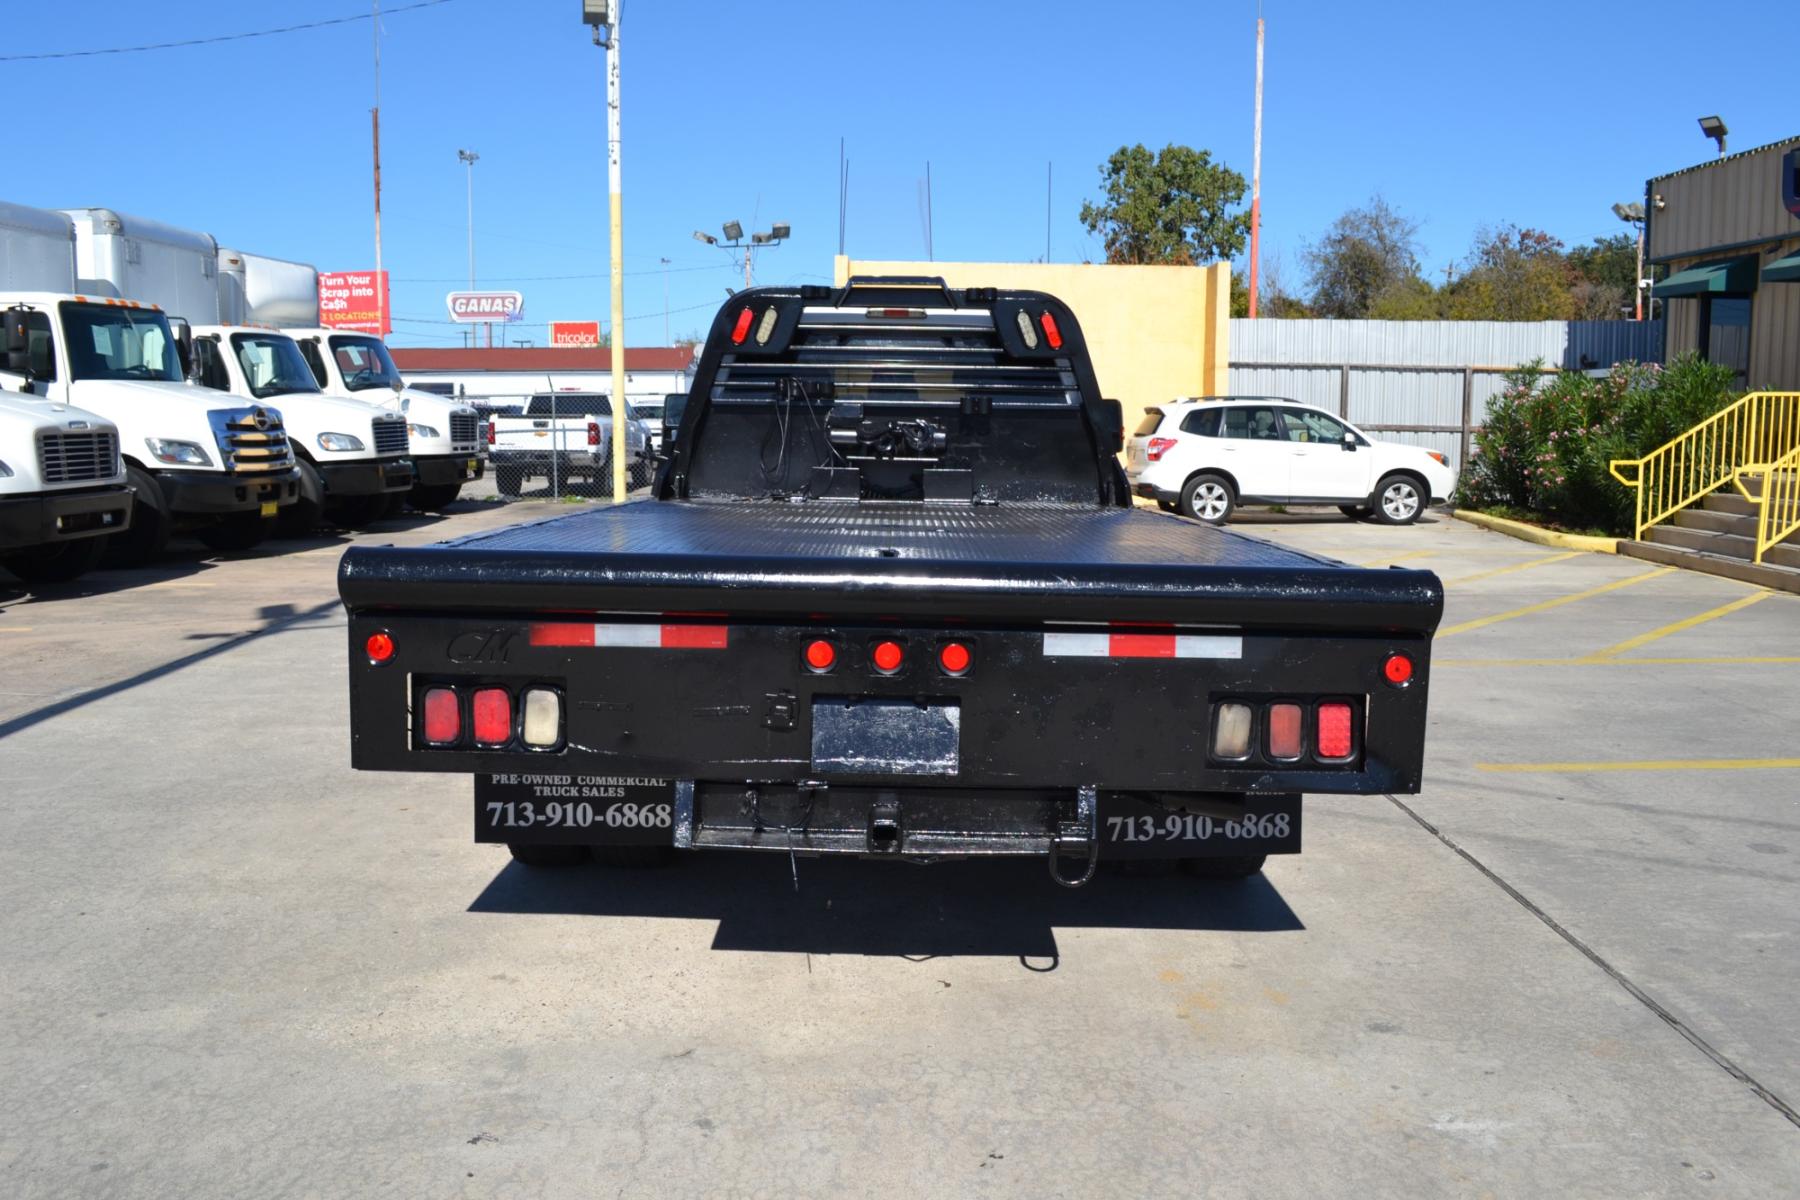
<point x="1543" y="537"/>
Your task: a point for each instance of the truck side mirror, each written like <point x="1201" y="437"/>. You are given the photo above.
<point x="1112" y="426"/>
<point x="15" y="343"/>
<point x="674" y="405"/>
<point x="184" y="346"/>
<point x="1350" y="442"/>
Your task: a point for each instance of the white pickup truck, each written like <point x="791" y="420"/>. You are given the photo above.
<point x="62" y="488"/>
<point x="445" y="445"/>
<point x="352" y="454"/>
<point x="565" y="437"/>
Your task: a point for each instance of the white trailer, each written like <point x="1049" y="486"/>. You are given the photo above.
<point x="256" y="289"/>
<point x="119" y="257"/>
<point x="37" y="249"/>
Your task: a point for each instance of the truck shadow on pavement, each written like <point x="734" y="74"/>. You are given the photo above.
<point x="1004" y="908"/>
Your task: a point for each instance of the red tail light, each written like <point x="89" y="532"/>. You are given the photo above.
<point x="380" y="647"/>
<point x="493" y="717"/>
<point x="741" y="330"/>
<point x="820" y="655"/>
<point x="954" y="658"/>
<point x="1398" y="669"/>
<point x="1336" y="738"/>
<point x="593" y="433"/>
<point x="1284" y="731"/>
<point x="1052" y="334"/>
<point x="1155" y="448"/>
<point x="490" y="432"/>
<point x="443" y="716"/>
<point x="888" y="657"/>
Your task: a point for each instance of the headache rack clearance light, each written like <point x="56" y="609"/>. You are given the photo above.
<point x="895" y="314"/>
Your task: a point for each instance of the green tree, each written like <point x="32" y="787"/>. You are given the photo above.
<point x="1368" y="253"/>
<point x="1171" y="207"/>
<point x="1603" y="277"/>
<point x="1512" y="274"/>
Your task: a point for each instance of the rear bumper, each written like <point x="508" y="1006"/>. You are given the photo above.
<point x="62" y="516"/>
<point x="215" y="493"/>
<point x="1152" y="492"/>
<point x="441" y="469"/>
<point x="366" y="477"/>
<point x="538" y="462"/>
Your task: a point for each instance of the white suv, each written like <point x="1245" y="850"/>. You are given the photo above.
<point x="1205" y="457"/>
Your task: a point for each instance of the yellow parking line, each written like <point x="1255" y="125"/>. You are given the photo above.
<point x="1654" y="764"/>
<point x="15" y="629"/>
<point x="1711" y="614"/>
<point x="1735" y="661"/>
<point x="1546" y="605"/>
<point x="1536" y="562"/>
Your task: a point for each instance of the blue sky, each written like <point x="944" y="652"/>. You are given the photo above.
<point x="1461" y="114"/>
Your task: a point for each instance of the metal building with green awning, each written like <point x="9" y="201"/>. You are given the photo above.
<point x="1720" y="277"/>
<point x="1783" y="270"/>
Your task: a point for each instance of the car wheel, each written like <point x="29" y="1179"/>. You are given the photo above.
<point x="237" y="532"/>
<point x="547" y="856"/>
<point x="150" y="522"/>
<point x="1356" y="512"/>
<point x="1208" y="498"/>
<point x="58" y="563"/>
<point x="1227" y="869"/>
<point x="1398" y="500"/>
<point x="509" y="481"/>
<point x="433" y="499"/>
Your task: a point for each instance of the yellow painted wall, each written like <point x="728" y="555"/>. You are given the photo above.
<point x="1155" y="333"/>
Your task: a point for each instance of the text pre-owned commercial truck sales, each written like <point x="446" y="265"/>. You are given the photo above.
<point x="891" y="598"/>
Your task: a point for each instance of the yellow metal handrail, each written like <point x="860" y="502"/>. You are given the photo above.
<point x="1760" y="429"/>
<point x="1778" y="506"/>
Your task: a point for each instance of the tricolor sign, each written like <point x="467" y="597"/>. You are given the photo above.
<point x="479" y="308"/>
<point x="355" y="300"/>
<point x="574" y="333"/>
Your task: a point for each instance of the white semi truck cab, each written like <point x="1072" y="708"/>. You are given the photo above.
<point x="352" y="454"/>
<point x="444" y="445"/>
<point x="194" y="458"/>
<point x="62" y="487"/>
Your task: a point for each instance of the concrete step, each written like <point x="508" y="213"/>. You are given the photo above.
<point x="1726" y="545"/>
<point x="1728" y="501"/>
<point x="1711" y="520"/>
<point x="1754" y="483"/>
<point x="1786" y="579"/>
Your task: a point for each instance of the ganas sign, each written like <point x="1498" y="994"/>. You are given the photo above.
<point x="479" y="308"/>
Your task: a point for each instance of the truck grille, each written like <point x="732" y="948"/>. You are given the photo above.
<point x="390" y="435"/>
<point x="77" y="457"/>
<point x="464" y="428"/>
<point x="252" y="440"/>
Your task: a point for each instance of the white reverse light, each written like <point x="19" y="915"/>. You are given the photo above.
<point x="543" y="718"/>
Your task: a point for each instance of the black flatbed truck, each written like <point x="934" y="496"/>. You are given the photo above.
<point x="890" y="598"/>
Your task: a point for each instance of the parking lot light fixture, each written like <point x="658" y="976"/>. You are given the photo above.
<point x="734" y="232"/>
<point x="708" y="238"/>
<point x="1714" y="128"/>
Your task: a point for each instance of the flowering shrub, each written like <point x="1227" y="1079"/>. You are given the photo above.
<point x="1547" y="440"/>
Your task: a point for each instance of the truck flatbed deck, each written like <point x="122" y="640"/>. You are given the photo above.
<point x="772" y="558"/>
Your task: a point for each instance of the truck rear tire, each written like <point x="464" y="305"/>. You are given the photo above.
<point x="237" y="532"/>
<point x="150" y="523"/>
<point x="509" y="481"/>
<point x="547" y="856"/>
<point x="302" y="517"/>
<point x="633" y="856"/>
<point x="1227" y="869"/>
<point x="433" y="499"/>
<point x="1208" y="497"/>
<point x="57" y="563"/>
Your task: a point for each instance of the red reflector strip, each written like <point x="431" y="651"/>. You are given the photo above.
<point x="631" y="635"/>
<point x="1052" y="334"/>
<point x="741" y="330"/>
<point x="1142" y="645"/>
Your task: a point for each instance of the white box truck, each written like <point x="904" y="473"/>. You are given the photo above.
<point x="352" y="455"/>
<point x="120" y="257"/>
<point x="257" y="290"/>
<point x="443" y="431"/>
<point x="193" y="459"/>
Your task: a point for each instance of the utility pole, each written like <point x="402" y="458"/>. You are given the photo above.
<point x="1256" y="172"/>
<point x="469" y="158"/>
<point x="375" y="118"/>
<point x="1049" y="189"/>
<point x="605" y="13"/>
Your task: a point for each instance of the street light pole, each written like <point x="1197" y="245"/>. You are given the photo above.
<point x="1634" y="214"/>
<point x="605" y="13"/>
<point x="468" y="158"/>
<point x="665" y="267"/>
<point x="1256" y="173"/>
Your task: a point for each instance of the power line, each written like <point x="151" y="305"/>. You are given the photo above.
<point x="224" y="37"/>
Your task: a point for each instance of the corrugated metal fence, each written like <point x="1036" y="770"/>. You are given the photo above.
<point x="1424" y="382"/>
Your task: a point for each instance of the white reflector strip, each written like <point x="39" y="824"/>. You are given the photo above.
<point x="1120" y="644"/>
